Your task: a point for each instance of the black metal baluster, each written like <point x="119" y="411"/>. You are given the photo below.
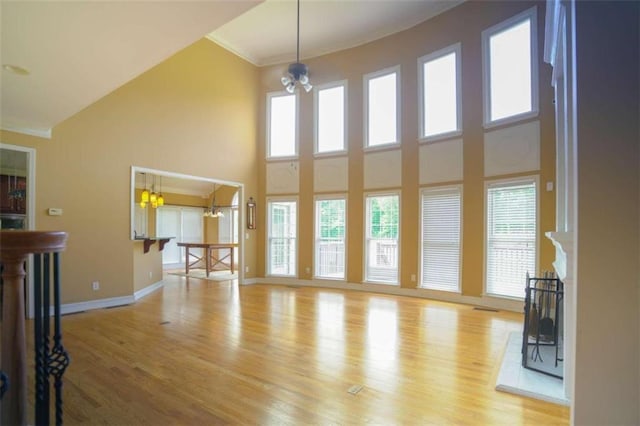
<point x="59" y="359"/>
<point x="4" y="384"/>
<point x="45" y="335"/>
<point x="4" y="380"/>
<point x="40" y="354"/>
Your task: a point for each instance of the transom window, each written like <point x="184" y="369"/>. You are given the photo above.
<point x="330" y="237"/>
<point x="330" y="110"/>
<point x="510" y="70"/>
<point x="282" y="125"/>
<point x="440" y="92"/>
<point x="381" y="107"/>
<point x="382" y="235"/>
<point x="511" y="236"/>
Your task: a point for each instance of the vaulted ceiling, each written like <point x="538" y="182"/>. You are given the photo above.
<point x="76" y="52"/>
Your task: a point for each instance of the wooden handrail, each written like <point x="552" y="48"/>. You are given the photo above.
<point x="15" y="247"/>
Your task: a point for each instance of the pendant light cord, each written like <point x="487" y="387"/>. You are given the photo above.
<point x="298" y="32"/>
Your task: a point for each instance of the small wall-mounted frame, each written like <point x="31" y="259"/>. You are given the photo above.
<point x="251" y="213"/>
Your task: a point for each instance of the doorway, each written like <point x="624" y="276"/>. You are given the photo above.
<point x="17" y="205"/>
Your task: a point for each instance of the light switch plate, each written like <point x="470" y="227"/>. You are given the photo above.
<point x="55" y="212"/>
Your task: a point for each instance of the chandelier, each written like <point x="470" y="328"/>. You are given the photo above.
<point x="297" y="73"/>
<point x="214" y="210"/>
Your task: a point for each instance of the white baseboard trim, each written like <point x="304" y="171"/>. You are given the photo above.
<point x="249" y="281"/>
<point x="70" y="308"/>
<point x="147" y="290"/>
<point x="483" y="301"/>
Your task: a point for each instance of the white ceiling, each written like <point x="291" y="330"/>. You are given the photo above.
<point x="79" y="51"/>
<point x="266" y="34"/>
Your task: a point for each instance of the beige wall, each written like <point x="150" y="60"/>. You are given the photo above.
<point x="607" y="375"/>
<point x="462" y="24"/>
<point x="195" y="114"/>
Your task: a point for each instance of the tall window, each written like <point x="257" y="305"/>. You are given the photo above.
<point x="509" y="59"/>
<point x="511" y="237"/>
<point x="441" y="239"/>
<point x="282" y="237"/>
<point x="330" y="118"/>
<point x="330" y="238"/>
<point x="381" y="107"/>
<point x="440" y="92"/>
<point x="382" y="234"/>
<point x="282" y="125"/>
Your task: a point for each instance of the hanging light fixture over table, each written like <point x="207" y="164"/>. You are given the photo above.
<point x="214" y="210"/>
<point x="298" y="73"/>
<point x="156" y="200"/>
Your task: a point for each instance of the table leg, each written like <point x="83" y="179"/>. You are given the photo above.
<point x="186" y="260"/>
<point x="208" y="260"/>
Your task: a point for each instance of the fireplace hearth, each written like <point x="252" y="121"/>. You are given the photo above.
<point x="542" y="337"/>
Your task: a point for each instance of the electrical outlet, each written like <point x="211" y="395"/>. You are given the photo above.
<point x="95" y="285"/>
<point x="246" y="269"/>
<point x="150" y="274"/>
<point x="413" y="277"/>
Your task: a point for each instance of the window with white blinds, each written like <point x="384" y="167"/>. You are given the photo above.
<point x="511" y="237"/>
<point x="441" y="239"/>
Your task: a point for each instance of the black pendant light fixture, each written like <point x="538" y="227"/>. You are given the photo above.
<point x="297" y="73"/>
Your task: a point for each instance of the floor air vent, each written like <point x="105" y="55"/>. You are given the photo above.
<point x="353" y="390"/>
<point x="481" y="308"/>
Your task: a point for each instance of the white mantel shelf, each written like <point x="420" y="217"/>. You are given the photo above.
<point x="563" y="242"/>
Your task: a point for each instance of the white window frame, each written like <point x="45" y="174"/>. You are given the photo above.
<point x="457" y="50"/>
<point x="509" y="182"/>
<point x="316" y="238"/>
<point x="316" y="117"/>
<point x="423" y="193"/>
<point x="365" y="238"/>
<point x="270" y="96"/>
<point x="268" y="236"/>
<point x="365" y="118"/>
<point x="531" y="14"/>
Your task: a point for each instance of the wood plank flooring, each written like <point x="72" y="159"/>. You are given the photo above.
<point x="202" y="353"/>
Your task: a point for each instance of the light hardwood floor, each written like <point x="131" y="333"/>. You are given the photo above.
<point x="199" y="353"/>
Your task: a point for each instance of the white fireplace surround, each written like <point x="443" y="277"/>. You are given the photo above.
<point x="558" y="51"/>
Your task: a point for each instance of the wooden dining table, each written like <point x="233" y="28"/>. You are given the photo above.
<point x="211" y="255"/>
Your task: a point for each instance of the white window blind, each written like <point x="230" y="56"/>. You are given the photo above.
<point x="185" y="224"/>
<point x="511" y="237"/>
<point x="282" y="234"/>
<point x="441" y="239"/>
<point x="330" y="238"/>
